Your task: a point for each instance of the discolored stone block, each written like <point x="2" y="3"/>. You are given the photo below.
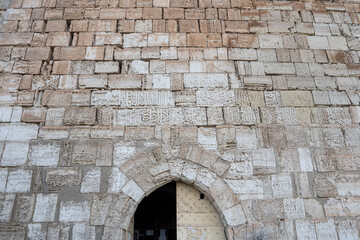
<point x="80" y="116"/>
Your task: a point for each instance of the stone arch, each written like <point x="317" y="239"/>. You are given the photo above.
<point x="146" y="171"/>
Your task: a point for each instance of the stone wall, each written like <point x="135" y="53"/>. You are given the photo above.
<point x="254" y="103"/>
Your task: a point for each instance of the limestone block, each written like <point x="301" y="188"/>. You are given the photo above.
<point x="215" y="98"/>
<point x="325" y="185"/>
<point x="347" y="229"/>
<point x="35" y="231"/>
<point x="246" y="138"/>
<point x="240" y="116"/>
<point x="18" y="132"/>
<point x="282" y="186"/>
<point x="247" y="189"/>
<point x="44" y="153"/>
<point x="271" y="41"/>
<point x="80" y="116"/>
<point x="267" y="210"/>
<point x="279" y="68"/>
<point x="305" y="160"/>
<point x="45" y="207"/>
<point x="326" y="230"/>
<point x="83" y="231"/>
<point x="215" y="116"/>
<point x="331" y="115"/>
<point x="6" y="207"/>
<point x="58" y="39"/>
<point x="139" y="67"/>
<point x="15" y="153"/>
<point x="258" y="82"/>
<point x="135" y="40"/>
<point x="100" y="209"/>
<point x="5" y="114"/>
<point x="24" y="207"/>
<point x="91" y="181"/>
<point x="305" y="230"/>
<point x="226" y="136"/>
<point x="297" y="98"/>
<point x="161" y="81"/>
<point x="242" y="54"/>
<point x="263" y="161"/>
<point x="337" y="43"/>
<point x="19" y="181"/>
<point x="314" y="209"/>
<point x="133" y="190"/>
<point x="15" y="38"/>
<point x="117" y="181"/>
<point x="235" y="215"/>
<point x="207" y="138"/>
<point x="294" y="208"/>
<point x="337" y="70"/>
<point x="198" y="80"/>
<point x="103" y="38"/>
<point x="107" y="67"/>
<point x="92" y="81"/>
<point x="3" y="178"/>
<point x="74" y="211"/>
<point x="63" y="176"/>
<point x="339" y="98"/>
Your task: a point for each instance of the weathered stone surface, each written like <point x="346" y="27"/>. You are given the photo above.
<point x="45" y="207"/>
<point x="6" y="206"/>
<point x="44" y="153"/>
<point x="80" y="116"/>
<point x="63" y="176"/>
<point x="74" y="211"/>
<point x="19" y="181"/>
<point x="14" y="154"/>
<point x="91" y="181"/>
<point x="23" y="208"/>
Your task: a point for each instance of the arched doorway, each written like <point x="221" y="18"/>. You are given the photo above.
<point x="177" y="211"/>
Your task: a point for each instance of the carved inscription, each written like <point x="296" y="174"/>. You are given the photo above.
<point x="332" y="115"/>
<point x="132" y="98"/>
<point x="205" y="80"/>
<point x="215" y="98"/>
<point x="278" y="115"/>
<point x="149" y="116"/>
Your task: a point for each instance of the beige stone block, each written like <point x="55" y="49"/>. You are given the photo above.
<point x="297" y="98"/>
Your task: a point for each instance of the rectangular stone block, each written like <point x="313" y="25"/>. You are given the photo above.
<point x="74" y="211"/>
<point x="125" y="81"/>
<point x="15" y="38"/>
<point x="38" y="53"/>
<point x="205" y="80"/>
<point x="63" y="176"/>
<point x="19" y="181"/>
<point x="45" y="207"/>
<point x="92" y="81"/>
<point x="80" y="116"/>
<point x="215" y="98"/>
<point x="15" y="154"/>
<point x="44" y="153"/>
<point x="297" y="98"/>
<point x="92" y="151"/>
<point x="107" y="67"/>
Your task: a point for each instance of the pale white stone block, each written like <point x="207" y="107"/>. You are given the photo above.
<point x="197" y="66"/>
<point x="139" y="67"/>
<point x="6" y="207"/>
<point x="158" y="39"/>
<point x="203" y="80"/>
<point x="305" y="230"/>
<point x="271" y="41"/>
<point x="107" y="67"/>
<point x="123" y="152"/>
<point x="316" y="42"/>
<point x="5" y="114"/>
<point x="207" y="138"/>
<point x="242" y="54"/>
<point x="45" y="207"/>
<point x="117" y="180"/>
<point x="135" y="40"/>
<point x="161" y="81"/>
<point x="133" y="191"/>
<point x="91" y="181"/>
<point x="338" y="43"/>
<point x="314" y="209"/>
<point x="36" y="232"/>
<point x="326" y="230"/>
<point x="305" y="160"/>
<point x="3" y="177"/>
<point x="74" y="211"/>
<point x="92" y="81"/>
<point x="18" y="132"/>
<point x="247" y="189"/>
<point x="82" y="231"/>
<point x="282" y="186"/>
<point x="15" y="154"/>
<point x="294" y="208"/>
<point x="235" y="215"/>
<point x="19" y="181"/>
<point x="44" y="154"/>
<point x="348" y="230"/>
<point x="168" y="53"/>
<point x="68" y="82"/>
<point x="16" y="115"/>
<point x="246" y="138"/>
<point x="143" y="26"/>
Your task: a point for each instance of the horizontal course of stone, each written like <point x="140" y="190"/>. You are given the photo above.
<point x="255" y="103"/>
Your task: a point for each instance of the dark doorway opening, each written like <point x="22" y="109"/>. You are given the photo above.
<point x="155" y="217"/>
